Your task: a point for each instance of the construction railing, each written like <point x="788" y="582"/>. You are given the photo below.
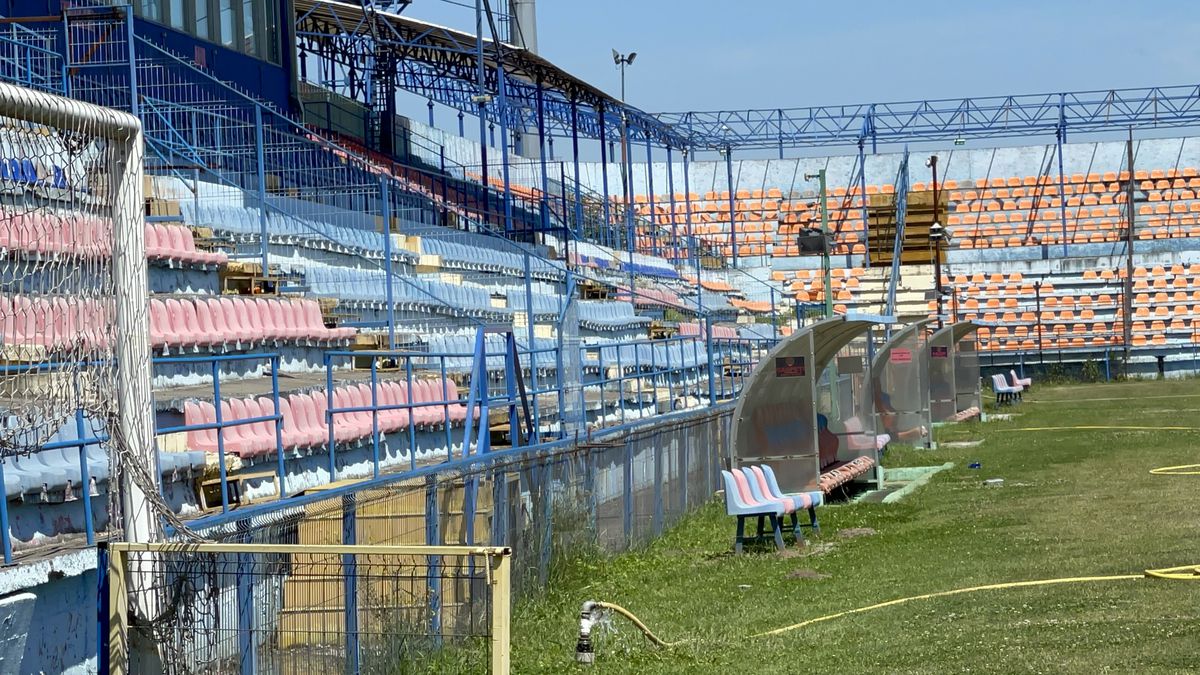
<point x="254" y="608"/>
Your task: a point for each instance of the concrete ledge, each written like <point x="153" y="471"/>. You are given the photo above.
<point x="916" y="477"/>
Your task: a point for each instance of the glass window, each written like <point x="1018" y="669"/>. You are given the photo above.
<point x="177" y="18"/>
<point x="149" y="9"/>
<point x="201" y="10"/>
<point x="226" y="9"/>
<point x="270" y="49"/>
<point x="249" y="44"/>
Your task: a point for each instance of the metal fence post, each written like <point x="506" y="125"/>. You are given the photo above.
<point x="627" y="497"/>
<point x="499" y="507"/>
<point x="433" y="537"/>
<point x="658" y="485"/>
<point x="248" y="658"/>
<point x="547" y="544"/>
<point x="350" y="581"/>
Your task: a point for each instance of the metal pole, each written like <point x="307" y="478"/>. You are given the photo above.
<point x="1127" y="299"/>
<point x="825" y="267"/>
<point x="862" y="196"/>
<point x="1037" y="296"/>
<point x="627" y="171"/>
<point x="732" y="204"/>
<point x="385" y="208"/>
<point x="545" y="186"/>
<point x="774" y="317"/>
<point x="607" y="225"/>
<point x="650" y="197"/>
<point x="692" y="243"/>
<point x="1062" y="191"/>
<point x="481" y="99"/>
<point x="937" y="245"/>
<point x="502" y="112"/>
<point x="671" y="198"/>
<point x="575" y="162"/>
<point x="261" y="177"/>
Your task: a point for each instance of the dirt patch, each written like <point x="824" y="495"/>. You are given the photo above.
<point x="807" y="549"/>
<point x="806" y="574"/>
<point x="856" y="532"/>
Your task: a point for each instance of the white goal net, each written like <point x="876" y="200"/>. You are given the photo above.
<point x="74" y="337"/>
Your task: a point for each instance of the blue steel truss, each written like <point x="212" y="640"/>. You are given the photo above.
<point x="945" y="119"/>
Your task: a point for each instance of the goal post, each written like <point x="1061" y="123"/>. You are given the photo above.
<point x="74" y="303"/>
<point x="285" y="607"/>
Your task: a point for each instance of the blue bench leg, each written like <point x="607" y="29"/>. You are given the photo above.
<point x="761" y="533"/>
<point x="812" y="520"/>
<point x="776" y="523"/>
<point x="741" y="531"/>
<point x="796" y="533"/>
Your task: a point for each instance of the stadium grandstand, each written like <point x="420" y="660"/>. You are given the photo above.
<point x="247" y="301"/>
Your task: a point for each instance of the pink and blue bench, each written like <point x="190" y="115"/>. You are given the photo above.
<point x="753" y="492"/>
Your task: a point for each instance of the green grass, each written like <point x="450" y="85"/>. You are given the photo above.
<point x="1074" y="503"/>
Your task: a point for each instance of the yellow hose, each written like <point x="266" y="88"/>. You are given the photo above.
<point x="1181" y="470"/>
<point x="1106" y="428"/>
<point x="654" y="639"/>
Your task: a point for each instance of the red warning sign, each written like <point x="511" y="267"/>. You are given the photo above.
<point x="900" y="355"/>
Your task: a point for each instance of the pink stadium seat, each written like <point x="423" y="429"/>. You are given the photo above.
<point x="345" y="426"/>
<point x="179" y="330"/>
<point x="200" y="413"/>
<point x="458" y="411"/>
<point x="242" y="435"/>
<point x="231" y="319"/>
<point x="241" y="307"/>
<point x="208" y="322"/>
<point x="154" y="247"/>
<point x="293" y="436"/>
<point x="160" y="336"/>
<point x="416" y="397"/>
<point x="279" y="321"/>
<point x="311" y="417"/>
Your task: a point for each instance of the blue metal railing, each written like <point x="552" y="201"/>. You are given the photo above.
<point x="28" y="58"/>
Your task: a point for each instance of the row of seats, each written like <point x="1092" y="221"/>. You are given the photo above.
<point x="55" y="323"/>
<point x="543" y="304"/>
<point x="608" y="315"/>
<point x="60" y="232"/>
<point x="651" y="297"/>
<point x="50" y="471"/>
<point x="235" y="320"/>
<point x="648" y="357"/>
<point x="245" y="221"/>
<point x="487" y="256"/>
<point x="456" y="353"/>
<point x="688" y="329"/>
<point x="176" y="244"/>
<point x="433" y="403"/>
<point x="55" y="232"/>
<point x="370" y="285"/>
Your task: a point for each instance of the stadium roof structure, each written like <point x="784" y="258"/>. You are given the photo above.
<point x="443" y="64"/>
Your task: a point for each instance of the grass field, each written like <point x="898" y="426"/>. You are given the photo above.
<point x="1074" y="503"/>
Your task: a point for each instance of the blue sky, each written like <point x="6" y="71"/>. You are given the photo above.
<point x="711" y="55"/>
